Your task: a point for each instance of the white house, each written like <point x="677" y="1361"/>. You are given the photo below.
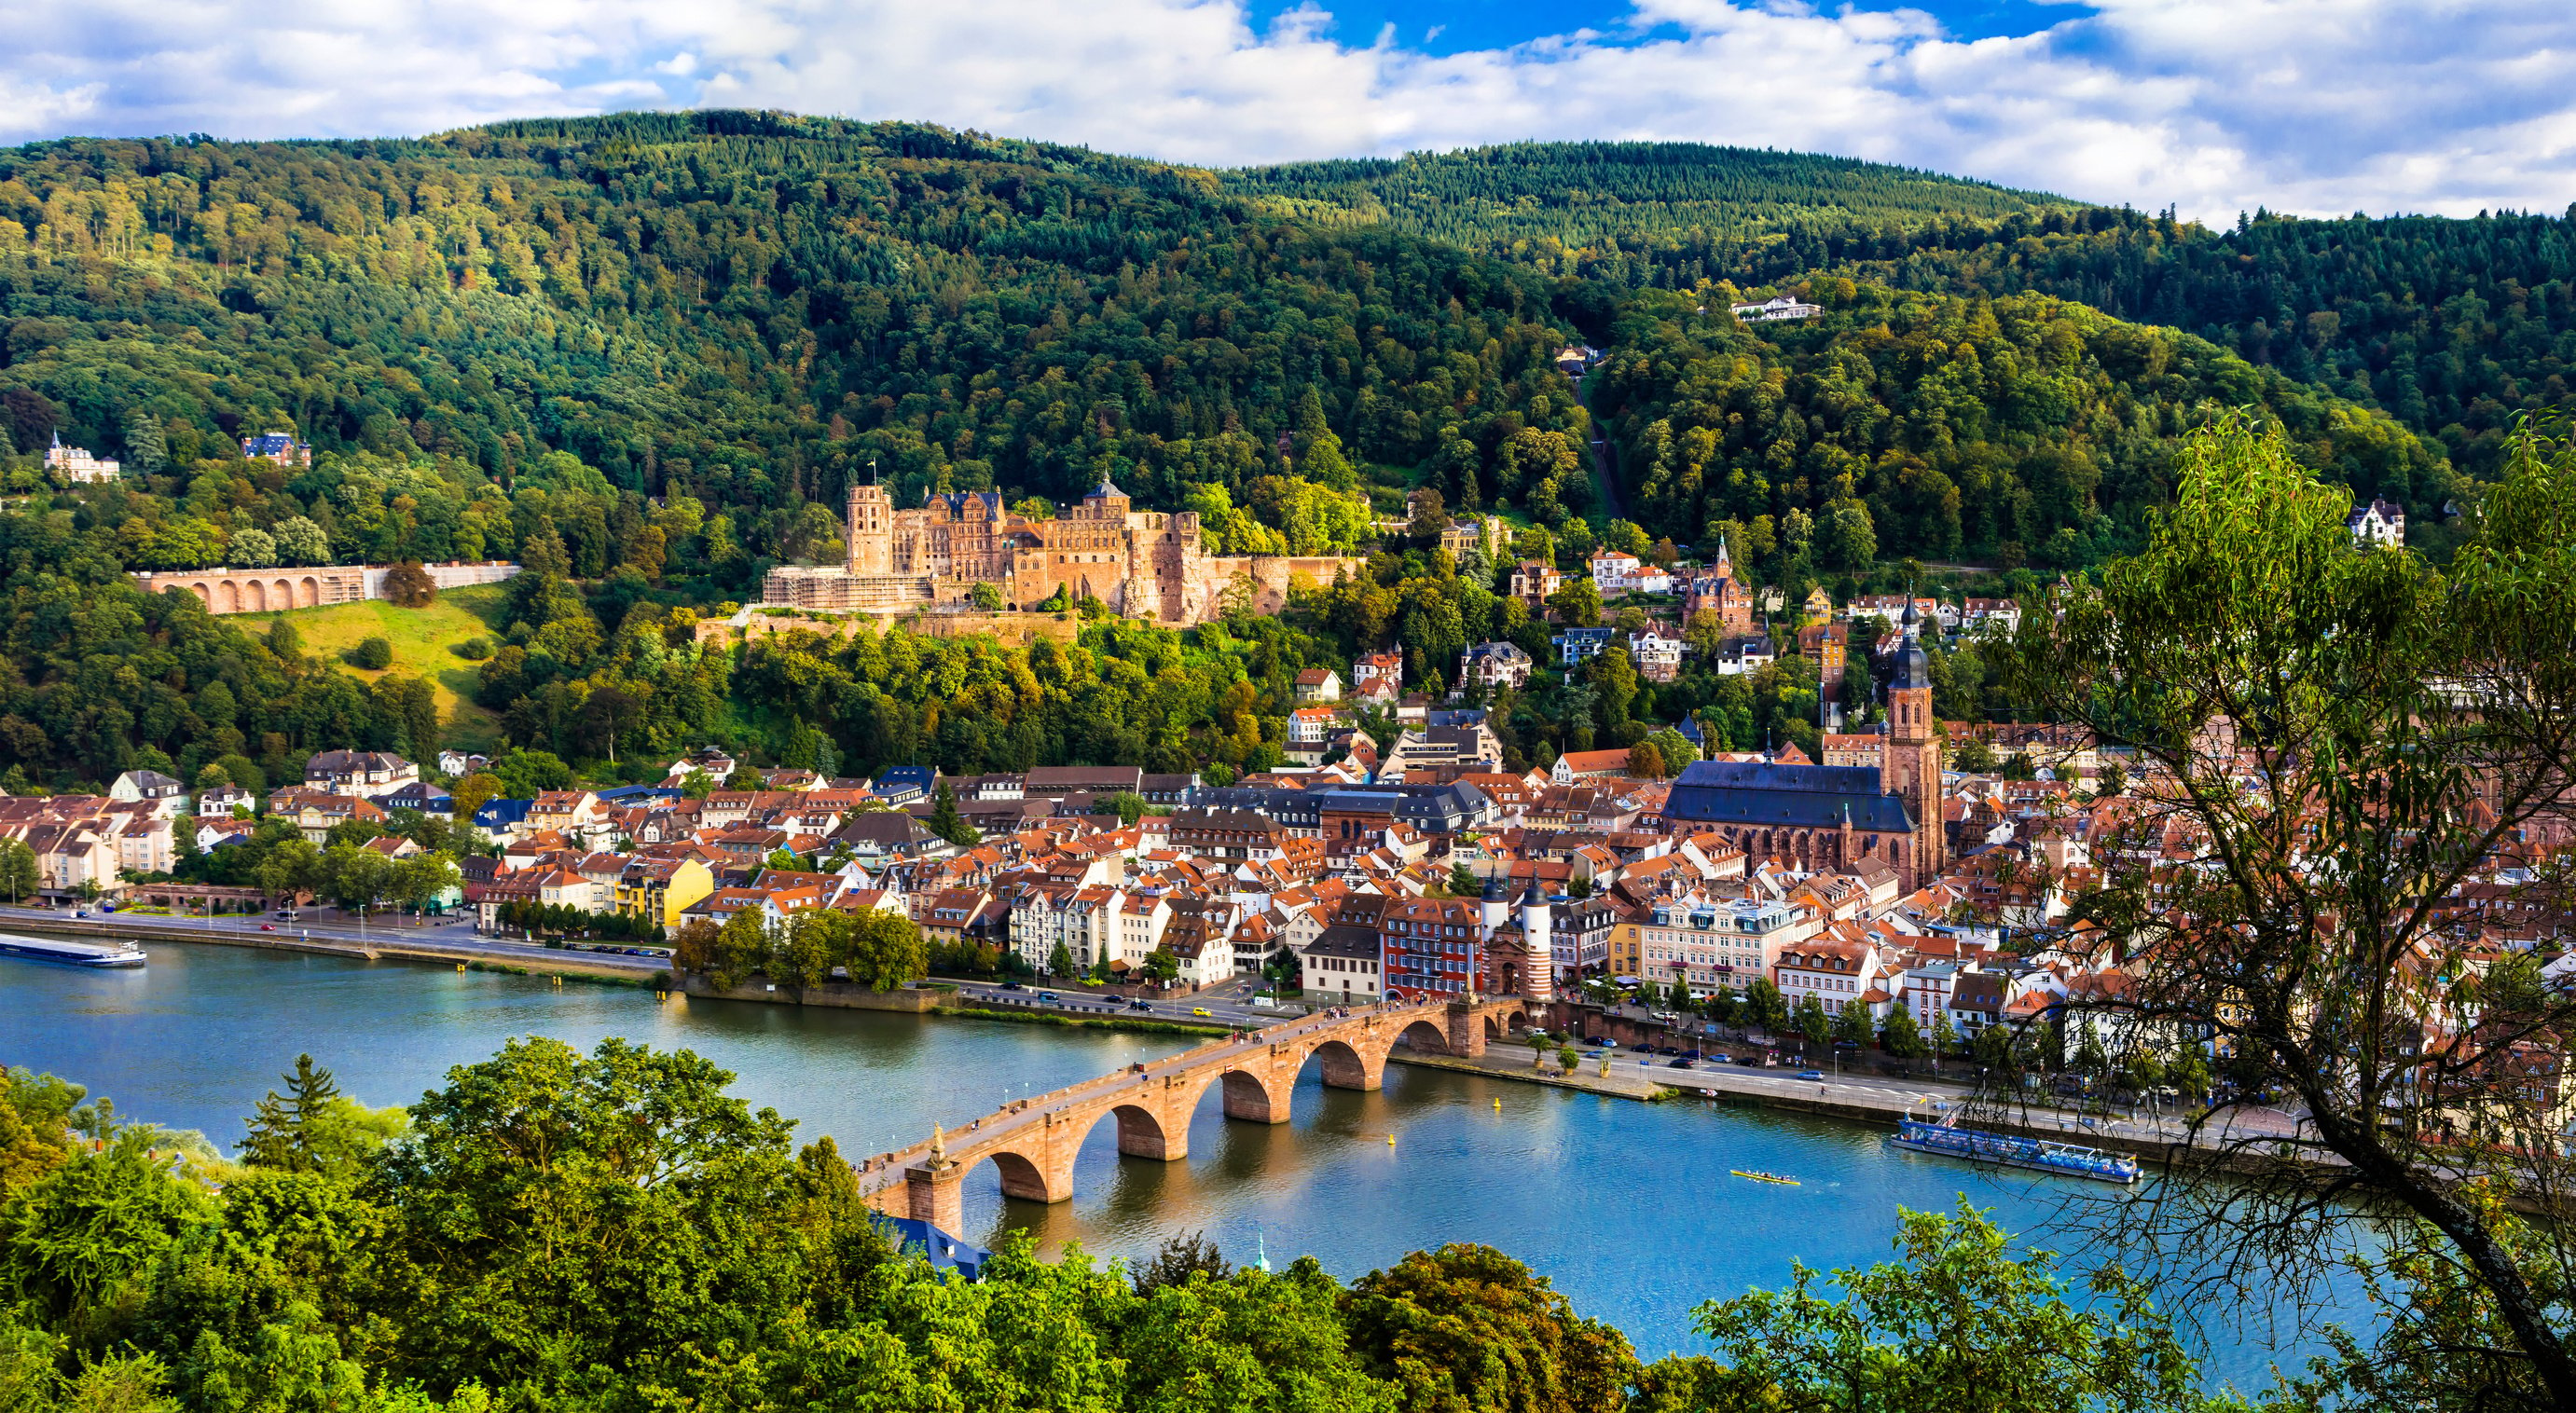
<point x="1658" y="658"/>
<point x="2382" y="522"/>
<point x="1616" y="573"/>
<point x="1774" y="309"/>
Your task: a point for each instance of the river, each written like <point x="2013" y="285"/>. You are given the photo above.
<point x="1627" y="1207"/>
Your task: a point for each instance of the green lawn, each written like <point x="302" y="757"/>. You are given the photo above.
<point x="425" y="642"/>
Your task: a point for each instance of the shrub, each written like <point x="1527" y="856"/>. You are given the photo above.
<point x="373" y="655"/>
<point x="475" y="649"/>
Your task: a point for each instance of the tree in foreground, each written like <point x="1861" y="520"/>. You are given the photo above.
<point x="2337" y="750"/>
<point x="314" y="1128"/>
<point x="1467" y="1327"/>
<point x="1958" y="1323"/>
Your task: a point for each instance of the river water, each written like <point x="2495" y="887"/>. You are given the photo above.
<point x="1628" y="1208"/>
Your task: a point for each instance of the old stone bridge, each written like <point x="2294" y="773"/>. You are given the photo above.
<point x="1032" y="1143"/>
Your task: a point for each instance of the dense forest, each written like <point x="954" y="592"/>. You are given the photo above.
<point x="2451" y="326"/>
<point x="746" y="309"/>
<point x="1623" y="211"/>
<point x="614" y="1233"/>
<point x="2021" y="429"/>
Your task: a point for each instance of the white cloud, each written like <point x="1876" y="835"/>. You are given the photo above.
<point x="2214" y="105"/>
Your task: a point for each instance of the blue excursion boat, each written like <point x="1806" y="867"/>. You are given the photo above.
<point x="71" y="954"/>
<point x="2012" y="1151"/>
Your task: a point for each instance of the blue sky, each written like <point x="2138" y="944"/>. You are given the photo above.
<point x="2212" y="106"/>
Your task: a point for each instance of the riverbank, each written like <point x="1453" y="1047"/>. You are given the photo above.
<point x="1140" y="1026"/>
<point x="1873" y="1105"/>
<point x="526" y="961"/>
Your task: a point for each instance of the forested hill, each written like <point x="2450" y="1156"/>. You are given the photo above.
<point x="2022" y="429"/>
<point x="745" y="311"/>
<point x="747" y="308"/>
<point x="2452" y="326"/>
<point x="1632" y="212"/>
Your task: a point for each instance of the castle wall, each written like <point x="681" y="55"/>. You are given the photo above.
<point x="225" y="591"/>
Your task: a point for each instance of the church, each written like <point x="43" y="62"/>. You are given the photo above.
<point x="1816" y="817"/>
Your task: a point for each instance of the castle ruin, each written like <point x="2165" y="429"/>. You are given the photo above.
<point x="1141" y="563"/>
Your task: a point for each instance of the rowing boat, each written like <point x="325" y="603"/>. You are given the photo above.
<point x="1758" y="1176"/>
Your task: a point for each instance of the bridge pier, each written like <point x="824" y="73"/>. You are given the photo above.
<point x="1466" y="1030"/>
<point x="935" y="1193"/>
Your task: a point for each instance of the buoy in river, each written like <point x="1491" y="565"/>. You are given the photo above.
<point x="1390" y="1140"/>
<point x="1498" y="1106"/>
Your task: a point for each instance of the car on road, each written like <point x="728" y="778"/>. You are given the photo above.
<point x="1811" y="1074"/>
<point x="1140" y="1005"/>
<point x="1678" y="1063"/>
<point x="1013" y="986"/>
<point x="268" y="927"/>
<point x="1049" y="996"/>
<point x="1720" y="1060"/>
<point x="1200" y="1011"/>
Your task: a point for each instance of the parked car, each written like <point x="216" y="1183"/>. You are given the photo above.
<point x="1811" y="1074"/>
<point x="1720" y="1060"/>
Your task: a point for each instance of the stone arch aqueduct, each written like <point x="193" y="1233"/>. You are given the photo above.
<point x="1032" y="1143"/>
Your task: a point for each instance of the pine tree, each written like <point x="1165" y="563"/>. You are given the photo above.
<point x="946" y="822"/>
<point x="284" y="1129"/>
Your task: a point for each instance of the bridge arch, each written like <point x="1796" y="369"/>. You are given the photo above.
<point x="309" y="593"/>
<point x="282" y="595"/>
<point x="231" y="596"/>
<point x="1024" y="1178"/>
<point x="1425" y="1035"/>
<point x="1347" y="1066"/>
<point x="1143" y="1134"/>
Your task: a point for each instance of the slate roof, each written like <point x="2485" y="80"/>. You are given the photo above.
<point x="1796" y="796"/>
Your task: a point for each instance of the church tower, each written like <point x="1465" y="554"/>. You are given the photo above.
<point x="1912" y="757"/>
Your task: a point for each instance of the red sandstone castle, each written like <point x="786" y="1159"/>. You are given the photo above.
<point x="1141" y="563"/>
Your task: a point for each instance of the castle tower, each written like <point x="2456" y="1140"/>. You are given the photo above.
<point x="1911" y="765"/>
<point x="871" y="531"/>
<point x="1537" y="930"/>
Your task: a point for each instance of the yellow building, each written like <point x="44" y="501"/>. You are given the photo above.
<point x="660" y="890"/>
<point x="1627" y="947"/>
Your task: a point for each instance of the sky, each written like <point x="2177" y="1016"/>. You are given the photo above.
<point x="2322" y="107"/>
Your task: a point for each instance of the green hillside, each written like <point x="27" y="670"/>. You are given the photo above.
<point x="645" y="355"/>
<point x="2024" y="429"/>
<point x="426" y="644"/>
<point x="1633" y="212"/>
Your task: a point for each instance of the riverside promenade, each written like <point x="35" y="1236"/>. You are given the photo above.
<point x="1871" y="1099"/>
